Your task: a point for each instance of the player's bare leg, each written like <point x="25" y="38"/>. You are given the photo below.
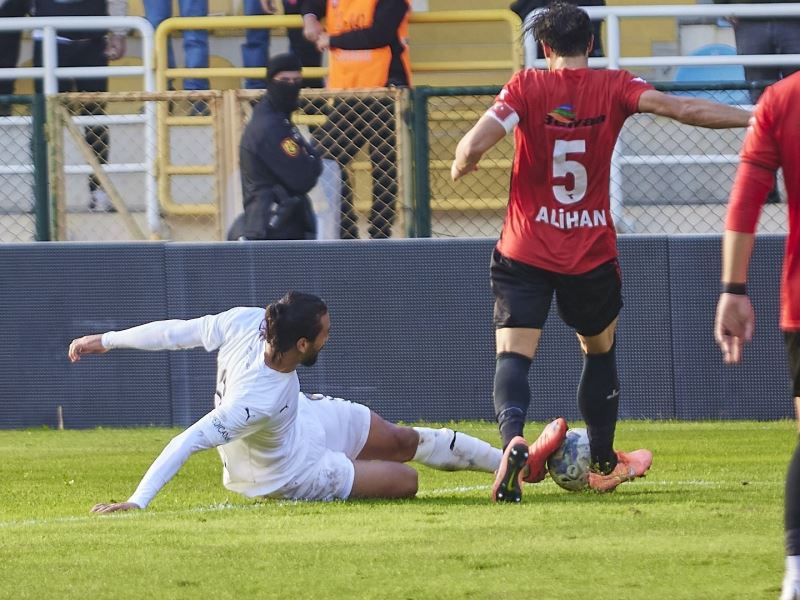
<point x="442" y="449"/>
<point x="387" y="441"/>
<point x="383" y="479"/>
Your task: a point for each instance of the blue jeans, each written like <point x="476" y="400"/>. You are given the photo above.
<point x="255" y="50"/>
<point x="195" y="43"/>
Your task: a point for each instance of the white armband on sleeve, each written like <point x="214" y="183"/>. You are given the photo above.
<point x="158" y="335"/>
<point x="503" y="114"/>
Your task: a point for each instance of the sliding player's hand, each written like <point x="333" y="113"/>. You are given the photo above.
<point x="734" y="325"/>
<point x="114" y="507"/>
<point x="88" y="344"/>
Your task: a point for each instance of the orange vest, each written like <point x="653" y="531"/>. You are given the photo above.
<point x="348" y="69"/>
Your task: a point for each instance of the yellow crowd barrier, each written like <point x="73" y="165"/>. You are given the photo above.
<point x="178" y="24"/>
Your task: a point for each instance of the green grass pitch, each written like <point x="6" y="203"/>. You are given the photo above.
<point x="706" y="523"/>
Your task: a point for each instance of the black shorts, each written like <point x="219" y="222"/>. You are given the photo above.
<point x="588" y="302"/>
<point x="792" y="339"/>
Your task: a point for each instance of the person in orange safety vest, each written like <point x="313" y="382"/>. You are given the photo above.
<point x="367" y="44"/>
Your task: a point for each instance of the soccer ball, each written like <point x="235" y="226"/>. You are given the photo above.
<point x="569" y="465"/>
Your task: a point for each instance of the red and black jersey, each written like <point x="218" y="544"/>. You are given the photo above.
<point x="772" y="142"/>
<point x="558" y="211"/>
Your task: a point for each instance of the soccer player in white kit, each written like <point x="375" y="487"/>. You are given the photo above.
<point x="274" y="440"/>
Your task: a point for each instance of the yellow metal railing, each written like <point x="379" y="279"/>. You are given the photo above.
<point x="164" y="74"/>
<point x="176" y="24"/>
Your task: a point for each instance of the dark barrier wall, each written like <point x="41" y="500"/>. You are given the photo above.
<point x="411" y="335"/>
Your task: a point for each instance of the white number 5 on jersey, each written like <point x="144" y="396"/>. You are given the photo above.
<point x="563" y="167"/>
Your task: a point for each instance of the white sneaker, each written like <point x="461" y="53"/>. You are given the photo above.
<point x="790" y="589"/>
<point x="100" y="202"/>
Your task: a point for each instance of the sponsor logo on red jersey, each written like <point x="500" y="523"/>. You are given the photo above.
<point x="564" y="116"/>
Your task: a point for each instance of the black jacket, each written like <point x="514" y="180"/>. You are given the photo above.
<point x="278" y="169"/>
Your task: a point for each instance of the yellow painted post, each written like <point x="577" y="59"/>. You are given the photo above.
<point x="220" y="158"/>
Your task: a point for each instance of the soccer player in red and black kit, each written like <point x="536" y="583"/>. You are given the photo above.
<point x="771" y="142"/>
<point x="559" y="237"/>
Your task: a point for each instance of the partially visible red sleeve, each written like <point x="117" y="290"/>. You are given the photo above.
<point x="750" y="191"/>
<point x="632" y="88"/>
<point x="760" y="146"/>
<point x="760" y="158"/>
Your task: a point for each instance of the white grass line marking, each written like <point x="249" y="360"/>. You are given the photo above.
<point x="461" y="489"/>
<point x="450" y="491"/>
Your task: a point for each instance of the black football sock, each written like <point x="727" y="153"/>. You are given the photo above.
<point x="598" y="400"/>
<point x="512" y="394"/>
<point x="792" y="505"/>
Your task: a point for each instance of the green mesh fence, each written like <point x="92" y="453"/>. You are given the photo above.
<point x="24" y="214"/>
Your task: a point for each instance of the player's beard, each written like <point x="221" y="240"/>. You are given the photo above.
<point x="310" y="361"/>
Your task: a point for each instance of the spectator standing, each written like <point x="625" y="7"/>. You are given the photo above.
<point x="304" y="49"/>
<point x="90" y="48"/>
<point x="278" y="166"/>
<point x="255" y="50"/>
<point x="765" y="35"/>
<point x="195" y="41"/>
<point x="368" y="47"/>
<point x="9" y="47"/>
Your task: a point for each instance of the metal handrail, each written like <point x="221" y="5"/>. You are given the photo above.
<point x="613" y="14"/>
<point x="176" y="24"/>
<point x="50" y="72"/>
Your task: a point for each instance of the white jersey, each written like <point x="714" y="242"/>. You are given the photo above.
<point x="261" y="423"/>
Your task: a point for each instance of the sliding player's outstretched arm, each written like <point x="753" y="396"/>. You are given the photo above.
<point x="158" y="335"/>
<point x="222" y="425"/>
<point x="175" y="334"/>
<point x="693" y="111"/>
<point x="168" y="463"/>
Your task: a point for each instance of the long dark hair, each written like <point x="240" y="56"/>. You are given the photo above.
<point x="564" y="27"/>
<point x="296" y="315"/>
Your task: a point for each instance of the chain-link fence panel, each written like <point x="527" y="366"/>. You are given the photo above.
<point x="128" y="166"/>
<point x="665" y="177"/>
<point x="365" y="188"/>
<point x="475" y="205"/>
<point x="166" y="166"/>
<point x="23" y="175"/>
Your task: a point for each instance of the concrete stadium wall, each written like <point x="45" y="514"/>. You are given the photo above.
<point x="412" y="335"/>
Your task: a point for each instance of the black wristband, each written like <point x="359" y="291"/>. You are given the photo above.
<point x="740" y="289"/>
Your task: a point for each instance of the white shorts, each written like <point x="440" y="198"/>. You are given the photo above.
<point x="346" y="427"/>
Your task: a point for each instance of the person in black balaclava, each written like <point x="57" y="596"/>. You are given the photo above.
<point x="278" y="166"/>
